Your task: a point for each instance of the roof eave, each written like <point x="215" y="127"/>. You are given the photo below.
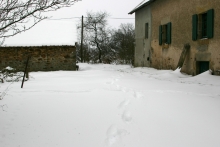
<point x="145" y="4"/>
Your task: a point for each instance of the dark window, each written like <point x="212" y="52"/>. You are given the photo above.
<point x="146" y="30"/>
<point x="165" y="34"/>
<point x="203" y="25"/>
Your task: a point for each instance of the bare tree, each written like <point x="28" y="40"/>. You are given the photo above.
<point x="14" y="14"/>
<point x="104" y="45"/>
<point x="123" y="42"/>
<point x="95" y="27"/>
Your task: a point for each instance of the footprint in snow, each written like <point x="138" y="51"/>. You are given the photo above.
<point x="110" y="82"/>
<point x="118" y="87"/>
<point x="137" y="94"/>
<point x="124" y="89"/>
<point x="126" y="116"/>
<point x="124" y="103"/>
<point x="114" y="135"/>
<point x="115" y="80"/>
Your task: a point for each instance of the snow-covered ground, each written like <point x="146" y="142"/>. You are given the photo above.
<point x="111" y="105"/>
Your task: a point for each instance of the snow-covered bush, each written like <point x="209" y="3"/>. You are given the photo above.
<point x="9" y="74"/>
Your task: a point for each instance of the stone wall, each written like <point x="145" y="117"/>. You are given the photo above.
<point x="42" y="58"/>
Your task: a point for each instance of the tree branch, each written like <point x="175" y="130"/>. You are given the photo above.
<point x="14" y="14"/>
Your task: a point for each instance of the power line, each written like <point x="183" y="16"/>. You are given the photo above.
<point x="121" y="18"/>
<point x="62" y="18"/>
<point x="84" y="17"/>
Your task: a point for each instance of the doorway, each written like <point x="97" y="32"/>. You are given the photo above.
<point x="202" y="66"/>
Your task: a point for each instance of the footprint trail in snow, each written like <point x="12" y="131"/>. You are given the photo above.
<point x="114" y="135"/>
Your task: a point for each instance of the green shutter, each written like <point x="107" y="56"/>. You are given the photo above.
<point x="160" y="35"/>
<point x="210" y="23"/>
<point x="169" y="33"/>
<point x="194" y="26"/>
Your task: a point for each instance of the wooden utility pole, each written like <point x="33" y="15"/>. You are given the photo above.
<point x="81" y="49"/>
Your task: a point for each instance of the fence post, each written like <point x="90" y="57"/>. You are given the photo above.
<point x="25" y="72"/>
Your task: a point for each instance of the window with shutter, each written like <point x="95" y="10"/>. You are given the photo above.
<point x="165" y="34"/>
<point x="203" y="25"/>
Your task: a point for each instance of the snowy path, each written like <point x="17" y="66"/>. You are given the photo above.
<point x="107" y="105"/>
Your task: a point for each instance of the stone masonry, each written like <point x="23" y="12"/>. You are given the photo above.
<point x="42" y="58"/>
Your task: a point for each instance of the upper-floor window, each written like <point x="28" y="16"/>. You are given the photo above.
<point x="203" y="25"/>
<point x="165" y="34"/>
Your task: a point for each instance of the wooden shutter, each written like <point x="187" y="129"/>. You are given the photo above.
<point x="194" y="26"/>
<point x="210" y="23"/>
<point x="160" y="34"/>
<point x="169" y="33"/>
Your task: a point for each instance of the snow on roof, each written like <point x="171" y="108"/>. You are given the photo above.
<point x="140" y="5"/>
<point x="144" y="1"/>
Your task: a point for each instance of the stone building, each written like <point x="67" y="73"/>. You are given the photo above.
<point x="163" y="27"/>
<point x="41" y="58"/>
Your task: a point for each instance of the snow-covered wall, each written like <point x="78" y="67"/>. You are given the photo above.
<point x="42" y="58"/>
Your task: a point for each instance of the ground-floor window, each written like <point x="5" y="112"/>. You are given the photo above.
<point x="165" y="34"/>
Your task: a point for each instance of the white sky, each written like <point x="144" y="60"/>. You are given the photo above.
<point x="63" y="32"/>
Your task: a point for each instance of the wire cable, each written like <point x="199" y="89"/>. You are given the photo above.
<point x="81" y="17"/>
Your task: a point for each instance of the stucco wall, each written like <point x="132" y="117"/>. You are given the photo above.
<point x="179" y="13"/>
<point x="142" y="44"/>
<point x="42" y="58"/>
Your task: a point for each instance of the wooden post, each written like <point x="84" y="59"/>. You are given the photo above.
<point x="81" y="50"/>
<point x="183" y="55"/>
<point x="25" y="72"/>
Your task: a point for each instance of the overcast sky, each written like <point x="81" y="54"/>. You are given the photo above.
<point x="63" y="32"/>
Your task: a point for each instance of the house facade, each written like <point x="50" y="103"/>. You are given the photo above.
<point x="164" y="27"/>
